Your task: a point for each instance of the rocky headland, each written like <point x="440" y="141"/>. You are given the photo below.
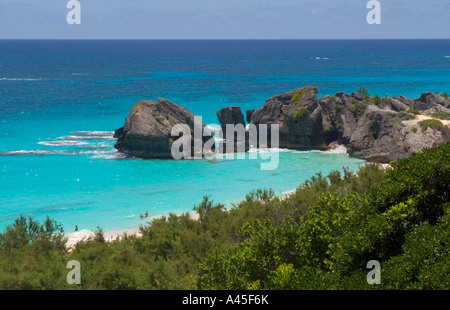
<point x="378" y="129"/>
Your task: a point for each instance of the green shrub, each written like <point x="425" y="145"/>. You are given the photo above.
<point x="425" y="262"/>
<point x="415" y="112"/>
<point x="297" y="97"/>
<point x="441" y="115"/>
<point x="300" y="113"/>
<point x="378" y="101"/>
<point x="409" y="117"/>
<point x="364" y="92"/>
<point x="433" y="123"/>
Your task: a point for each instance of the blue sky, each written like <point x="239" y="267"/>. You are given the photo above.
<point x="224" y="19"/>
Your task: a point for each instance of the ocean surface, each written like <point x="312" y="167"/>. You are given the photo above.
<point x="60" y="102"/>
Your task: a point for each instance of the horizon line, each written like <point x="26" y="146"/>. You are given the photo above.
<point x="216" y="39"/>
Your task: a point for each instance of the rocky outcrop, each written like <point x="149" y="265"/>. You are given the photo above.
<point x="372" y="128"/>
<point x="299" y="116"/>
<point x="248" y="116"/>
<point x="383" y="136"/>
<point x="147" y="130"/>
<point x="232" y="116"/>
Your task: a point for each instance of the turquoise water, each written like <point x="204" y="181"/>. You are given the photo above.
<point x="60" y="102"/>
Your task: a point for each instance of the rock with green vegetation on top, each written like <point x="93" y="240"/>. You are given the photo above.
<point x="373" y="128"/>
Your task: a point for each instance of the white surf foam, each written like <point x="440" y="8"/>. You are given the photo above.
<point x="20" y="79"/>
<point x="341" y="149"/>
<point x="93" y="133"/>
<point x="90" y="137"/>
<point x="61" y="143"/>
<point x="36" y="152"/>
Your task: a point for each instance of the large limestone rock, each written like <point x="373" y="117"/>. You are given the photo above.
<point x="299" y="117"/>
<point x="147" y="130"/>
<point x="383" y="136"/>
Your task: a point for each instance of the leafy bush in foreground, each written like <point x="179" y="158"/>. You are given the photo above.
<point x="403" y="223"/>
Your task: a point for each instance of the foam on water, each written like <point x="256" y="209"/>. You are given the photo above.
<point x="37" y="152"/>
<point x="341" y="149"/>
<point x="61" y="143"/>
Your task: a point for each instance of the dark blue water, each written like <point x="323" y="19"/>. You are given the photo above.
<point x="60" y="101"/>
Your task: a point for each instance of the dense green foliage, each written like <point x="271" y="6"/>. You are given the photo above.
<point x="320" y="237"/>
<point x="403" y="222"/>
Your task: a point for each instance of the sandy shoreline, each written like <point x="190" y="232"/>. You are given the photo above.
<point x="86" y="234"/>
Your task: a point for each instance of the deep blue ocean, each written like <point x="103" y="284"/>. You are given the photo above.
<point x="60" y="102"/>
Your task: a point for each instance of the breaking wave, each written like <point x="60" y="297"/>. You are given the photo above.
<point x="20" y="79"/>
<point x="36" y="152"/>
<point x="97" y="144"/>
<point x="104" y="134"/>
<point x="61" y="143"/>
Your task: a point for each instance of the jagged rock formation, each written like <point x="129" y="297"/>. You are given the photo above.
<point x="372" y="128"/>
<point x="232" y="116"/>
<point x="147" y="130"/>
<point x="248" y="116"/>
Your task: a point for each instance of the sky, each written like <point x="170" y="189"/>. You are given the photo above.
<point x="224" y="19"/>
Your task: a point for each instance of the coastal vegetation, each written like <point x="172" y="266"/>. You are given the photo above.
<point x="409" y="117"/>
<point x="299" y="93"/>
<point x="364" y="92"/>
<point x="300" y="113"/>
<point x="297" y="97"/>
<point x="320" y="237"/>
<point x="415" y="112"/>
<point x="441" y="115"/>
<point x="433" y="123"/>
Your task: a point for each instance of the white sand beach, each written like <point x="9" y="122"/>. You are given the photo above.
<point x="85" y="234"/>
